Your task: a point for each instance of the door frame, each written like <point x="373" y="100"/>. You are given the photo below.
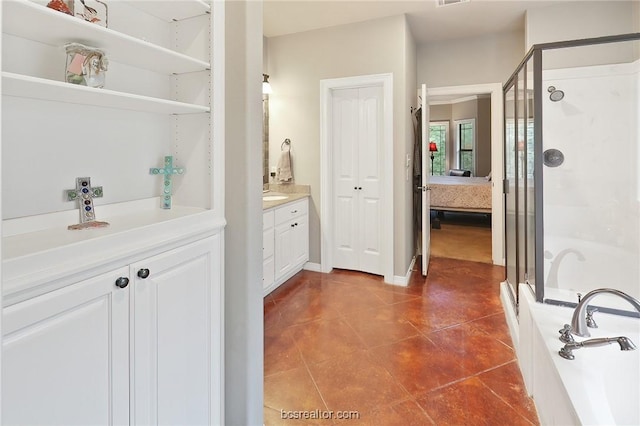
<point x="327" y="87"/>
<point x="497" y="155"/>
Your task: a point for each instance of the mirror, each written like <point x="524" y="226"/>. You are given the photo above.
<point x="265" y="140"/>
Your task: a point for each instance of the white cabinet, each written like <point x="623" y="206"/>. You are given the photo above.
<point x="176" y="345"/>
<point x="76" y="347"/>
<point x="268" y="249"/>
<point x="291" y="241"/>
<point x="89" y="352"/>
<point x="66" y="355"/>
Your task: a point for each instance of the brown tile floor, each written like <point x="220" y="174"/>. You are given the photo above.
<point x="435" y="352"/>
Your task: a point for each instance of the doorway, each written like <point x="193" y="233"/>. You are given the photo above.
<point x="445" y="95"/>
<point x="339" y="195"/>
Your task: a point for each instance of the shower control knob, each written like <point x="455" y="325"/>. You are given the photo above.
<point x="565" y="334"/>
<point x="143" y="273"/>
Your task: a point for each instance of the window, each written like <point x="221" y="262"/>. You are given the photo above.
<point x="439" y="133"/>
<point x="465" y="144"/>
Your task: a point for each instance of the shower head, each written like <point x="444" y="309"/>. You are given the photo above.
<point x="555" y="94"/>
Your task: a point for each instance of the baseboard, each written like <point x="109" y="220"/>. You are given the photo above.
<point x="312" y="266"/>
<point x="404" y="281"/>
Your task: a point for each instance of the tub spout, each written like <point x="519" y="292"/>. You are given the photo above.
<point x="579" y="319"/>
<point x="625" y="345"/>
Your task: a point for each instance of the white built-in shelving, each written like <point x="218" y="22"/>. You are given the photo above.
<point x="177" y="74"/>
<point x="40" y="88"/>
<point x="167" y="11"/>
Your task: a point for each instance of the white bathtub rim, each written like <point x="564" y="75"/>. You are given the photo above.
<point x="583" y="383"/>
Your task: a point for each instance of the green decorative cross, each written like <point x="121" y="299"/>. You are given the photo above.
<point x="167" y="171"/>
<point x="84" y="194"/>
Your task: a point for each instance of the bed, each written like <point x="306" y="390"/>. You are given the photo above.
<point x="460" y="194"/>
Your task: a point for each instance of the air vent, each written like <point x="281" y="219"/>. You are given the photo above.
<point x="440" y="3"/>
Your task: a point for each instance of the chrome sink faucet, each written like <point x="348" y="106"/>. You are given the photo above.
<point x="579" y="319"/>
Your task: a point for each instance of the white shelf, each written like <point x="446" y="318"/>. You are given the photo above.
<point x="50" y="90"/>
<point x="34" y="258"/>
<point x="173" y="11"/>
<point x="55" y="28"/>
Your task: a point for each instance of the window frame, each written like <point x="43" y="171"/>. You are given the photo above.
<point x="446" y="124"/>
<point x="457" y="143"/>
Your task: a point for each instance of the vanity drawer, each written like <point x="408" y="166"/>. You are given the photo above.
<point x="291" y="210"/>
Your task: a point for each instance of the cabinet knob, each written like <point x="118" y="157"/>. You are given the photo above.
<point x="360" y="188"/>
<point x="293" y="224"/>
<point x="294" y="211"/>
<point x="122" y="282"/>
<point x="143" y="273"/>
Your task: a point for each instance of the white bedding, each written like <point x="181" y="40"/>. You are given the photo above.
<point x="460" y="193"/>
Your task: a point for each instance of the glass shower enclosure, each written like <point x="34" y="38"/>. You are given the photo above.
<point x="572" y="175"/>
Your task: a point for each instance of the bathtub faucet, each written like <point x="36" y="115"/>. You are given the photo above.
<point x="625" y="345"/>
<point x="579" y="319"/>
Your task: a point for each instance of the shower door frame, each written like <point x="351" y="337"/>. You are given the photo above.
<point x="537" y="282"/>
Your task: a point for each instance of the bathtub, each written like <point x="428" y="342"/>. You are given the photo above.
<point x="601" y="386"/>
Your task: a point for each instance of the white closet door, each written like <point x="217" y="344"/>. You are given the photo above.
<point x="345" y="135"/>
<point x="357" y="164"/>
<point x="370" y="179"/>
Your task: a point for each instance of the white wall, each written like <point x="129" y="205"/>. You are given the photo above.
<point x="590" y="201"/>
<point x="577" y="20"/>
<point x="243" y="212"/>
<point x="296" y="65"/>
<point x="410" y="101"/>
<point x="580" y="20"/>
<point x="486" y="59"/>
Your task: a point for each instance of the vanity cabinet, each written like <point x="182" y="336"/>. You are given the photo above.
<point x="268" y="249"/>
<point x="143" y="337"/>
<point x="290" y="241"/>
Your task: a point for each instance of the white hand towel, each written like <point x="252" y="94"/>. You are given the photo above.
<point x="285" y="171"/>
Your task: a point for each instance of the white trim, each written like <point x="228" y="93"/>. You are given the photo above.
<point x="312" y="266"/>
<point x="460" y="100"/>
<point x="404" y="281"/>
<point x="217" y="119"/>
<point x="497" y="148"/>
<point x="326" y="172"/>
<point x="456" y="143"/>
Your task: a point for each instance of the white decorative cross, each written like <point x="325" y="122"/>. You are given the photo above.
<point x="85" y="194"/>
<point x="167" y="171"/>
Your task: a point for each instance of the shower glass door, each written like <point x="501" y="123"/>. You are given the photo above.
<point x="510" y="189"/>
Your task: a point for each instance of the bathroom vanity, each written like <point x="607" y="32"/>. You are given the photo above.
<point x="285" y="236"/>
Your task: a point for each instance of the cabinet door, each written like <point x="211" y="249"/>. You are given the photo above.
<point x="301" y="240"/>
<point x="176" y="336"/>
<point x="268" y="263"/>
<point x="284" y="248"/>
<point x="66" y="355"/>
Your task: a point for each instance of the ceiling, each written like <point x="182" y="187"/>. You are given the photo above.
<point x="428" y="23"/>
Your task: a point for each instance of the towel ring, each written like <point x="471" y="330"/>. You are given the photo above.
<point x="286" y="142"/>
